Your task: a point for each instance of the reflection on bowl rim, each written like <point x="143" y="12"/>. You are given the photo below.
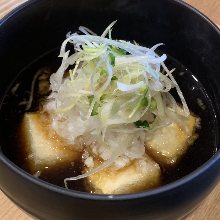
<point x="88" y="196"/>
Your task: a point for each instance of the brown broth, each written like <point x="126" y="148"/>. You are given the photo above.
<point x="12" y="112"/>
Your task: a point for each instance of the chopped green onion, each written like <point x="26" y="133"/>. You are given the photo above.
<point x="142" y="89"/>
<point x="103" y="72"/>
<point x="144" y="102"/>
<point x="153" y="104"/>
<point x="118" y="51"/>
<point x="95" y="109"/>
<point x="112" y="59"/>
<point x="114" y="78"/>
<point x="102" y="98"/>
<point x="90" y="98"/>
<point x="142" y="124"/>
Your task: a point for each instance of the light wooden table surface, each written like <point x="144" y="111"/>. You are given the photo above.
<point x="208" y="210"/>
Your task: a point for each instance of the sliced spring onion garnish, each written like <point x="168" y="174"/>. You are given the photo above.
<point x="142" y="124"/>
<point x="112" y="85"/>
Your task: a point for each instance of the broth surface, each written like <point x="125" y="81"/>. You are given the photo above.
<point x="13" y="110"/>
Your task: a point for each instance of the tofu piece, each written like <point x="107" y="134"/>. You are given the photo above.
<point x="167" y="144"/>
<point x="138" y="176"/>
<point x="43" y="147"/>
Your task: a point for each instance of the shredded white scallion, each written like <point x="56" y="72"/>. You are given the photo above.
<point x="115" y="87"/>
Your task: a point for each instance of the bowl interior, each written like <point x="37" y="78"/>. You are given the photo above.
<point x="191" y="42"/>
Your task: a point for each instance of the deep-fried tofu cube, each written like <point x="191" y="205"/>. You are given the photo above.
<point x="167" y="144"/>
<point x="43" y="147"/>
<point x="138" y="176"/>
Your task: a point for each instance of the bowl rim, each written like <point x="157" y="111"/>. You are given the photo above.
<point x="101" y="197"/>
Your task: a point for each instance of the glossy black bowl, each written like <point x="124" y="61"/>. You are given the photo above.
<point x="40" y="26"/>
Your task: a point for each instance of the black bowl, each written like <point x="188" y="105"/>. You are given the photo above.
<point x="37" y="27"/>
